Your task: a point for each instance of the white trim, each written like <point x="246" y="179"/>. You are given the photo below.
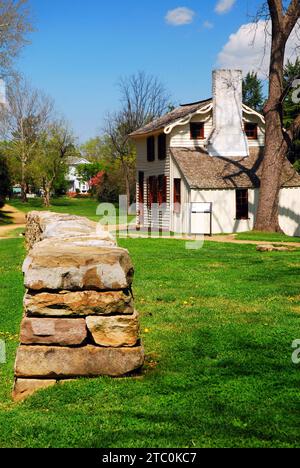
<point x="186" y="120"/>
<point x="250" y="111"/>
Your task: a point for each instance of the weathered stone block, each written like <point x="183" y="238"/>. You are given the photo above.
<point x="76" y="264"/>
<point x="114" y="331"/>
<point x="45" y="331"/>
<point x="44" y="225"/>
<point x="24" y="388"/>
<point x="80" y="303"/>
<point x="89" y="361"/>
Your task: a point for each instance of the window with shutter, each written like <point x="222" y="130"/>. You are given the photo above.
<point x="152" y="191"/>
<point x="177" y="195"/>
<point x="162" y="147"/>
<point x="251" y="130"/>
<point x="151" y="149"/>
<point x="242" y="204"/>
<point x="141" y="187"/>
<point x="162" y="190"/>
<point x="197" y="131"/>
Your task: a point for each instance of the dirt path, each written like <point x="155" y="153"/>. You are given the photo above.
<point x="17" y="218"/>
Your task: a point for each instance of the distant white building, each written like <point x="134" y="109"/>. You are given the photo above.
<point x="76" y="184"/>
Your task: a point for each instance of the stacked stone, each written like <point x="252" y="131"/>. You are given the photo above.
<point x="79" y="316"/>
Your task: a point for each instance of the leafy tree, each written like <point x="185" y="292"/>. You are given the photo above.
<point x="95" y="149"/>
<point x="23" y="121"/>
<point x="253" y="92"/>
<point x="292" y="110"/>
<point x="49" y="166"/>
<point x="87" y="171"/>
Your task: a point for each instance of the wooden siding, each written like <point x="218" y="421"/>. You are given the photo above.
<point x="181" y="136"/>
<point x="155" y="168"/>
<point x="260" y="131"/>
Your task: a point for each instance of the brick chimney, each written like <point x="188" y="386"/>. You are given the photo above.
<point x="228" y="138"/>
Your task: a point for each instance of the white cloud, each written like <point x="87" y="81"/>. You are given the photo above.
<point x="249" y="48"/>
<point x="208" y="25"/>
<point x="180" y="16"/>
<point x="224" y="6"/>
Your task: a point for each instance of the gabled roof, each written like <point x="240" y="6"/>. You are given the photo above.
<point x="179" y="113"/>
<point x="75" y="161"/>
<point x="202" y="171"/>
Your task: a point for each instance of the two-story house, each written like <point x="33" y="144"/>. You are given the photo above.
<point x="199" y="166"/>
<point x="75" y="182"/>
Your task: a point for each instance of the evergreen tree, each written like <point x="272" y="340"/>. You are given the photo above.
<point x="253" y="92"/>
<point x="292" y="110"/>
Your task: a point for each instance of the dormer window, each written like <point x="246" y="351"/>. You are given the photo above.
<point x="197" y="131"/>
<point x="151" y="149"/>
<point x="251" y="130"/>
<point x="162" y="146"/>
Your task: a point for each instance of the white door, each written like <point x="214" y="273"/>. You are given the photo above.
<point x="201" y="216"/>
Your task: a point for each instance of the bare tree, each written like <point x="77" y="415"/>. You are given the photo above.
<point x="143" y="98"/>
<point x="23" y="121"/>
<point x="284" y="18"/>
<point x="15" y="24"/>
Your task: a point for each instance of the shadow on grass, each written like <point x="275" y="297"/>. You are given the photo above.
<point x="5" y="218"/>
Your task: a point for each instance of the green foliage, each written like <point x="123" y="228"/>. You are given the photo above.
<point x="292" y="110"/>
<point x="253" y="92"/>
<point x="96" y="149"/>
<point x="217" y="325"/>
<point x="87" y="171"/>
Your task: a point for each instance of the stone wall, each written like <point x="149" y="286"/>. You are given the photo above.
<point x="79" y="316"/>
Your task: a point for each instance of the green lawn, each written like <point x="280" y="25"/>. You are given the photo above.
<point x="77" y="206"/>
<point x="217" y="324"/>
<point x="266" y="237"/>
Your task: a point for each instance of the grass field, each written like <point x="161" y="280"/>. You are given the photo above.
<point x="266" y="237"/>
<point x="217" y="325"/>
<point x="78" y="206"/>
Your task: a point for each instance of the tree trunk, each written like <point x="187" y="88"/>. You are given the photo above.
<point x="23" y="183"/>
<point x="275" y="146"/>
<point x="127" y="183"/>
<point x="47" y="194"/>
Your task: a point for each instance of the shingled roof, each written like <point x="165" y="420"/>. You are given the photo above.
<point x="202" y="171"/>
<point x="178" y="113"/>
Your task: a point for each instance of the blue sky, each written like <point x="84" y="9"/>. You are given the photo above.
<point x="82" y="47"/>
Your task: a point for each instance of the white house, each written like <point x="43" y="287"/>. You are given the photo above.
<point x="202" y="162"/>
<point x="75" y="183"/>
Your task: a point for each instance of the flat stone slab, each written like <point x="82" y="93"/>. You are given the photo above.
<point x="115" y="331"/>
<point x="45" y="331"/>
<point x="77" y="264"/>
<point x="80" y="303"/>
<point x="44" y="225"/>
<point x="89" y="361"/>
<point x="24" y="388"/>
